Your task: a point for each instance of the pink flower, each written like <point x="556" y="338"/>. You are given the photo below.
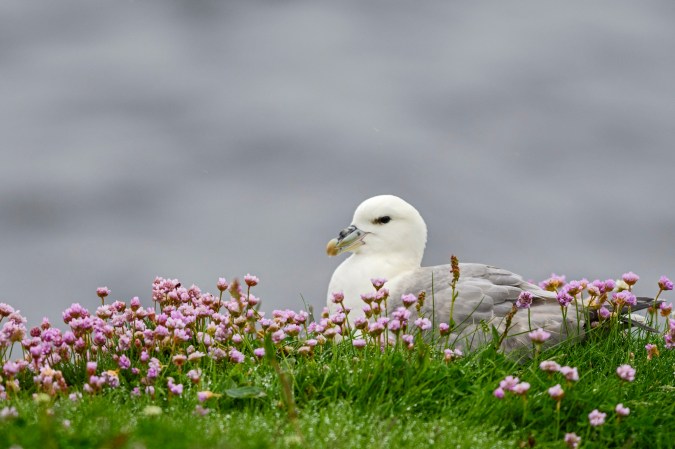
<point x="408" y="300"/>
<point x="596" y="418"/>
<point x="604" y="313"/>
<point x="194" y="375"/>
<point x="665" y="309"/>
<point x="236" y="356"/>
<point x="524" y="300"/>
<point x="102" y="292"/>
<point x="251" y="280"/>
<point x="378" y="283"/>
<point x="553" y="283"/>
<point x="8" y="413"/>
<point x="201" y="411"/>
<point x="572" y="440"/>
<point x="338" y="297"/>
<point x="91" y="368"/>
<point x="5" y="310"/>
<point x="423" y="323"/>
<point x="549" y="366"/>
<point x="564" y="298"/>
<point x="626" y="372"/>
<point x="574" y="287"/>
<point x="621" y="410"/>
<point x="521" y="388"/>
<point x="259" y="353"/>
<point x="278" y="336"/>
<point x="624" y="297"/>
<point x="376" y="328"/>
<point x="395" y="326"/>
<point x="451" y="354"/>
<point x="556" y="392"/>
<point x="630" y="278"/>
<point x="571" y="374"/>
<point x="539" y="336"/>
<point x="123" y="362"/>
<point x="222" y="284"/>
<point x="203" y="396"/>
<point x="368" y="297"/>
<point x="509" y="383"/>
<point x="665" y="283"/>
<point x="359" y="343"/>
<point x="444" y="329"/>
<point x="175" y="389"/>
<point x="360" y="323"/>
<point x="499" y="393"/>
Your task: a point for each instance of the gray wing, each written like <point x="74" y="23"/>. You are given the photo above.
<point x="486" y="294"/>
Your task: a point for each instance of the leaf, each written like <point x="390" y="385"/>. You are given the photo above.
<point x="246" y="392"/>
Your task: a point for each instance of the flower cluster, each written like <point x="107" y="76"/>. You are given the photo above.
<point x="165" y="349"/>
<point x="556" y="392"/>
<point x="512" y="384"/>
<point x="669" y="337"/>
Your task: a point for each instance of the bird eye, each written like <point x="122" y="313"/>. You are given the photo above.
<point x="383" y="220"/>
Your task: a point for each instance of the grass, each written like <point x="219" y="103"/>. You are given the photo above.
<point x="367" y="399"/>
<point x="332" y="395"/>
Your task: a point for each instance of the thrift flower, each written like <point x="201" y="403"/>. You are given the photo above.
<point x="549" y="366"/>
<point x="621" y="410"/>
<point x="630" y="278"/>
<point x="665" y="283"/>
<point x="572" y="440"/>
<point x="203" y="396"/>
<point x="378" y="283"/>
<point x="123" y="362"/>
<point x="665" y="309"/>
<point x="194" y="375"/>
<point x="8" y="413"/>
<point x="556" y="392"/>
<point x="604" y="313"/>
<point x="521" y="388"/>
<point x="444" y="329"/>
<point x="236" y="356"/>
<point x="175" y="389"/>
<point x="359" y="343"/>
<point x="222" y="284"/>
<point x="499" y="393"/>
<point x="509" y="383"/>
<point x="423" y="323"/>
<point x="408" y="300"/>
<point x="596" y="418"/>
<point x="539" y="336"/>
<point x="571" y="374"/>
<point x="251" y="280"/>
<point x="259" y="353"/>
<point x="624" y="297"/>
<point x="553" y="283"/>
<point x="564" y="298"/>
<point x="574" y="287"/>
<point x="102" y="292"/>
<point x="524" y="300"/>
<point x="451" y="354"/>
<point x="626" y="373"/>
<point x="201" y="411"/>
<point x="338" y="297"/>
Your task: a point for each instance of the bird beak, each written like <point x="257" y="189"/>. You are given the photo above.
<point x="347" y="240"/>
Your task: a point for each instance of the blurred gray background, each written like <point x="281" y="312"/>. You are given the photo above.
<point x="196" y="139"/>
